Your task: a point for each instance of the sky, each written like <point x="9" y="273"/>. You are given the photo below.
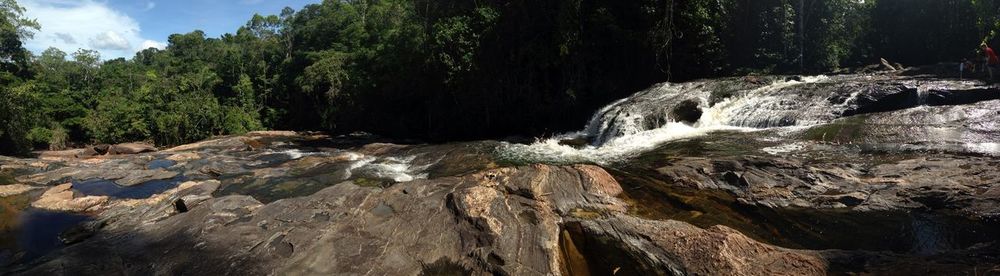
<point x="120" y="28"/>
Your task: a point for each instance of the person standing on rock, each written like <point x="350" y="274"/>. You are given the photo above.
<point x="992" y="61"/>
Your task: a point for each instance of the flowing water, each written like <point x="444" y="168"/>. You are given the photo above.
<point x="787" y="107"/>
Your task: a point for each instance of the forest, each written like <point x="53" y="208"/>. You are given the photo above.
<point x="439" y="70"/>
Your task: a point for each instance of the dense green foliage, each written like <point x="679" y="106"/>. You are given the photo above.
<point x="448" y="69"/>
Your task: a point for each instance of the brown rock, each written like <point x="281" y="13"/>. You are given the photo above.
<point x="15" y="189"/>
<point x="285" y="133"/>
<point x="184" y="156"/>
<point x="142" y="176"/>
<point x="61" y="154"/>
<point x="61" y="198"/>
<point x="503" y="221"/>
<point x="130" y="148"/>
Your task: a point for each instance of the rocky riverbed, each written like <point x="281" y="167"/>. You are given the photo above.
<point x="855" y="174"/>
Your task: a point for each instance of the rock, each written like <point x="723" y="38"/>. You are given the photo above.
<point x="961" y="97"/>
<point x="887" y="65"/>
<point x="180" y="206"/>
<point x="321" y="215"/>
<point x="61" y="154"/>
<point x="576" y="143"/>
<point x="190" y="201"/>
<point x="61" y="198"/>
<point x="131" y="212"/>
<point x="753" y="79"/>
<point x="218" y="143"/>
<point x="184" y="156"/>
<point x="677" y="248"/>
<point x="948" y="183"/>
<point x="380" y="148"/>
<point x="87" y="152"/>
<point x="101" y="149"/>
<point x="15" y="189"/>
<point x="253" y="144"/>
<point x="81" y="232"/>
<point x="130" y="148"/>
<point x="508" y="221"/>
<point x="687" y="112"/>
<point x="284" y="133"/>
<point x="734" y="179"/>
<point x="382" y="210"/>
<point x="94" y="150"/>
<point x="193" y="197"/>
<point x="142" y="176"/>
<point x="877" y="98"/>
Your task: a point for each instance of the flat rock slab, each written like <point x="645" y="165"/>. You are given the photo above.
<point x="142" y="176"/>
<point x="61" y="198"/>
<point x="15" y="189"/>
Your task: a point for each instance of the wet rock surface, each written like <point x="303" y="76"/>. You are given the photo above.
<point x="956" y="183"/>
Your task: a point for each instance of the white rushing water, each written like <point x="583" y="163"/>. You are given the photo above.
<point x="398" y="169"/>
<point x="989" y="148"/>
<point x="644" y="121"/>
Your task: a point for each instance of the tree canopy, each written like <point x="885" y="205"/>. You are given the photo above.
<point x="446" y="69"/>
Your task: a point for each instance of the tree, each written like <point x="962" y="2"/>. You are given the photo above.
<point x="16" y="104"/>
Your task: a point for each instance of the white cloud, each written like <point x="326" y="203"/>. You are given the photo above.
<point x="66" y="38"/>
<point x="152" y="44"/>
<point x="110" y="40"/>
<point x="74" y="24"/>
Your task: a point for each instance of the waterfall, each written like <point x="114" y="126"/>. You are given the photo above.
<point x="762" y="106"/>
<point x="671" y="111"/>
<point x="665" y="112"/>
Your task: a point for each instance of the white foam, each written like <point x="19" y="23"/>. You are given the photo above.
<point x="744" y="107"/>
<point x="633" y="139"/>
<point x="786" y="148"/>
<point x="616" y="149"/>
<point x="294" y="154"/>
<point x="984" y="148"/>
<point x="397" y="169"/>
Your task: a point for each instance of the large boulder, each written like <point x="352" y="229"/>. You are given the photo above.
<point x="687" y="111"/>
<point x="94" y="150"/>
<point x="863" y="98"/>
<point x="131" y="148"/>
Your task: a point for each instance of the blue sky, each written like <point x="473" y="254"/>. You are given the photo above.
<point x="119" y="28"/>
